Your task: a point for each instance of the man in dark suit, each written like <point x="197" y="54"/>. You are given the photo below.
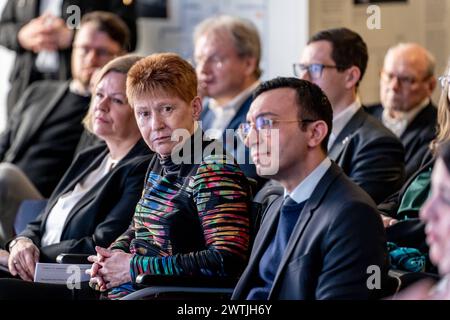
<point x="369" y="154"/>
<point x="33" y="28"/>
<point x="227" y="55"/>
<point x="320" y="241"/>
<point x="38" y="145"/>
<point x="407" y="82"/>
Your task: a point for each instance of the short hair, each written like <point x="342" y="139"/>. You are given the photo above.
<point x="167" y="72"/>
<point x="443" y="152"/>
<point x="243" y="33"/>
<point x="348" y="48"/>
<point x="430" y="59"/>
<point x="311" y="101"/>
<point x="111" y="24"/>
<point x="122" y="65"/>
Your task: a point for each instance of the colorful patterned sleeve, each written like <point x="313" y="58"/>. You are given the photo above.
<point x="222" y="200"/>
<point x="123" y="242"/>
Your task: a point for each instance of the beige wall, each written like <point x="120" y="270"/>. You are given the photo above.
<point x="422" y="21"/>
<point x="281" y="23"/>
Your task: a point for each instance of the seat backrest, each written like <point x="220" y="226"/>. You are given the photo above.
<point x="28" y="211"/>
<point x="271" y="191"/>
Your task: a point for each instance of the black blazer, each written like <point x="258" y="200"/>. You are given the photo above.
<point x="17" y="13"/>
<point x="417" y="136"/>
<point x="105" y="212"/>
<point x="25" y="124"/>
<point x="339" y="234"/>
<point x="410" y="232"/>
<point x="370" y="155"/>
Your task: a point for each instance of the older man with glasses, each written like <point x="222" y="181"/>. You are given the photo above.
<point x="407" y="82"/>
<point x="369" y="154"/>
<point x="227" y="55"/>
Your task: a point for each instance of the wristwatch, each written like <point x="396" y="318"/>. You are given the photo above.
<point x="14" y="242"/>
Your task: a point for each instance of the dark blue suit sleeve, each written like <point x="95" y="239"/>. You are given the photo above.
<point x="378" y="167"/>
<point x="355" y="240"/>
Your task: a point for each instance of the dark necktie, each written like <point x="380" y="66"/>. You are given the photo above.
<point x="270" y="261"/>
<point x="289" y="214"/>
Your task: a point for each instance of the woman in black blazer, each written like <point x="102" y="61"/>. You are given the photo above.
<point x="95" y="200"/>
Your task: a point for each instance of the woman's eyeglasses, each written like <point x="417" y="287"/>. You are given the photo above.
<point x="444" y="80"/>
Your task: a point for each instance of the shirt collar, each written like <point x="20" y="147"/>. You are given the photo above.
<point x="235" y="103"/>
<point x="341" y="119"/>
<point x="76" y="89"/>
<point x="305" y="188"/>
<point x="407" y="116"/>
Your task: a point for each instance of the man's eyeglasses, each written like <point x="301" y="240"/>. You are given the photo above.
<point x="214" y="61"/>
<point x="99" y="52"/>
<point x="444" y="80"/>
<point x="404" y="81"/>
<point x="263" y="124"/>
<point x="315" y="69"/>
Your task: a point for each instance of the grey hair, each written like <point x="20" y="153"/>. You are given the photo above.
<point x="243" y="33"/>
<point x="430" y="59"/>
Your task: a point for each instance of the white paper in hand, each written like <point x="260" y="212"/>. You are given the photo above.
<point x="61" y="273"/>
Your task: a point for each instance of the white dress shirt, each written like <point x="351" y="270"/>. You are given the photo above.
<point x="57" y="217"/>
<point x="341" y="119"/>
<point x="398" y="125"/>
<point x="225" y="113"/>
<point x="304" y="189"/>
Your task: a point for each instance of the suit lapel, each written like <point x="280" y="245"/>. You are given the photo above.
<point x="241" y="114"/>
<point x="206" y="116"/>
<point x="264" y="236"/>
<point x="346" y="134"/>
<point x="425" y="116"/>
<point x="311" y="205"/>
<point x="70" y="186"/>
<point x="92" y="193"/>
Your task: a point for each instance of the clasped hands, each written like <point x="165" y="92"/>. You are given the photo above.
<point x="110" y="268"/>
<point x="46" y="32"/>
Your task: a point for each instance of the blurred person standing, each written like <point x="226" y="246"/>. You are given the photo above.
<point x="36" y="30"/>
<point x="39" y="142"/>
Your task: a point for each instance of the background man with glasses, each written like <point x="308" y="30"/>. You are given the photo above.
<point x="227" y="52"/>
<point x="39" y="142"/>
<point x="369" y="154"/>
<point x="318" y="242"/>
<point x="407" y="82"/>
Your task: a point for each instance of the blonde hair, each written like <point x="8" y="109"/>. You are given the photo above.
<point x="166" y="72"/>
<point x="443" y="117"/>
<point x="122" y="65"/>
<point x="242" y="32"/>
